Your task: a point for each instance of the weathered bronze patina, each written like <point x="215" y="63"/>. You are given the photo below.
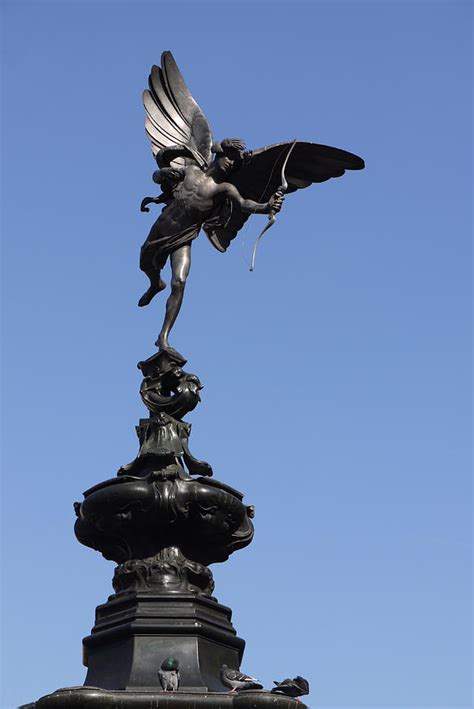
<point x="161" y="640"/>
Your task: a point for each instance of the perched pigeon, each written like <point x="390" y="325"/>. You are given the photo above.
<point x="238" y="680"/>
<point x="295" y="687"/>
<point x="169" y="674"/>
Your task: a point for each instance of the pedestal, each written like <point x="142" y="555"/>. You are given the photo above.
<point x="135" y="632"/>
<point x="163" y="526"/>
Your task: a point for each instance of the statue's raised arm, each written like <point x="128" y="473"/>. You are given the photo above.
<point x="214" y="186"/>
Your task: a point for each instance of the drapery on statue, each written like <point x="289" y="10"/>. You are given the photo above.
<point x="217" y="194"/>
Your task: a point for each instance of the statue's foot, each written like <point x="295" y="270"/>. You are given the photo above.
<point x="151" y="292"/>
<point x="163" y="346"/>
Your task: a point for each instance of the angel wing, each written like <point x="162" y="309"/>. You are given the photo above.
<point x="173" y="116"/>
<point x="260" y="177"/>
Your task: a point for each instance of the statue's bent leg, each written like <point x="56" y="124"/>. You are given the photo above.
<point x="151" y="264"/>
<point x="180" y="265"/>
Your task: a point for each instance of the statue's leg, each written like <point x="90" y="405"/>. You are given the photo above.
<point x="180" y="265"/>
<point x="151" y="265"/>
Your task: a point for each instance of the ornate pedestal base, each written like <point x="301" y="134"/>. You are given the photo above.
<point x="94" y="698"/>
<point x="136" y="631"/>
<point x="162" y="628"/>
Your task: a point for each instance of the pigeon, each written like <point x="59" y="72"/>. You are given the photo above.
<point x="295" y="687"/>
<point x="169" y="674"/>
<point x="238" y="680"/>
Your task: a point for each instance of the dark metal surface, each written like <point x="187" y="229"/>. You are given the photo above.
<point x="212" y="186"/>
<point x="162" y="525"/>
<point x="135" y="632"/>
<point x="135" y="518"/>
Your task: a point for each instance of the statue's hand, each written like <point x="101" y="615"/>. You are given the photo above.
<point x="275" y="202"/>
<point x="145" y="201"/>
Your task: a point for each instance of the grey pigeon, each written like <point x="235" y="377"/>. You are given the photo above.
<point x="238" y="680"/>
<point x="295" y="687"/>
<point x="169" y="674"/>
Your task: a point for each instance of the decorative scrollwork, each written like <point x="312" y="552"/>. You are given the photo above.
<point x="166" y="387"/>
<point x="168" y="392"/>
<point x="169" y="570"/>
<point x="164" y="442"/>
<point x="162" y="526"/>
<point x="129" y="517"/>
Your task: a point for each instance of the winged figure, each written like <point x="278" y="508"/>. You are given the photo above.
<point x="214" y="186"/>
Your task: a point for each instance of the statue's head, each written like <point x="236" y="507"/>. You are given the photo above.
<point x="230" y="154"/>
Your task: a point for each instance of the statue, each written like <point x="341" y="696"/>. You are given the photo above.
<point x="164" y="518"/>
<point x="216" y="194"/>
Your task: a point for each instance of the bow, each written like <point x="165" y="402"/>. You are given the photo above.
<point x="272" y="215"/>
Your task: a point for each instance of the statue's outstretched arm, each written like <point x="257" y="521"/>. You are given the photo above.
<point x="248" y="205"/>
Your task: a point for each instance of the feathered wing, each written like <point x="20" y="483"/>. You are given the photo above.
<point x="260" y="177"/>
<point x="173" y="116"/>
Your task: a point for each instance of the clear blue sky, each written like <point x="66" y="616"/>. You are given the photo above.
<point x="336" y="376"/>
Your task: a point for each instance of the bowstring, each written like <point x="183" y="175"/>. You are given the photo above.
<point x="252" y="213"/>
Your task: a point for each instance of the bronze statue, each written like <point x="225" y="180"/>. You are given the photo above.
<point x="213" y="186"/>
